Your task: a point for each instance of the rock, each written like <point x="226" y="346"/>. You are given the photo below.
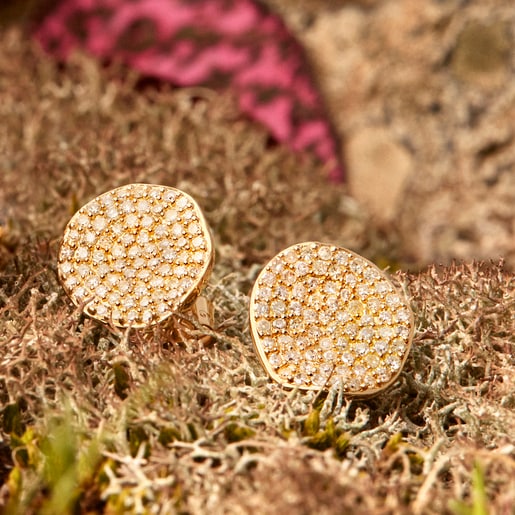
<point x="378" y="169"/>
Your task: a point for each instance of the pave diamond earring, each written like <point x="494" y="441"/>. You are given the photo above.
<point x="321" y="314"/>
<point x="135" y="255"/>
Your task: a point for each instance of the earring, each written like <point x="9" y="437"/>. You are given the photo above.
<point x="135" y="255"/>
<point x="321" y="314"/>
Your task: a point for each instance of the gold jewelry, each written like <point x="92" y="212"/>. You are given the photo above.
<point x="135" y="255"/>
<point x="321" y="314"/>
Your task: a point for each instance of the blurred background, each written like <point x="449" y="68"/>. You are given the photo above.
<point x="419" y="98"/>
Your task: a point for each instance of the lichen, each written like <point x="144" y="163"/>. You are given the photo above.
<point x="101" y="420"/>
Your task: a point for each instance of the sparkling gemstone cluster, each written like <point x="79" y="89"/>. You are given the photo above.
<point x="320" y="314"/>
<point x="134" y="255"/>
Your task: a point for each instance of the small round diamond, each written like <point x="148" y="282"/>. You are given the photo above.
<point x="119" y="254"/>
<point x="336" y="319"/>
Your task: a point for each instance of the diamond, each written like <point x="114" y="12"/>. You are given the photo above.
<point x="299" y="380"/>
<point x="281" y="292"/>
<point x="279" y="324"/>
<point x="350" y="279"/>
<point x="381" y="346"/>
<point x="342" y="257"/>
<point x="99" y="223"/>
<point x="66" y="267"/>
<point x="311" y="355"/>
<point x="83" y="270"/>
<point x="194" y="228"/>
<point x="278" y="308"/>
<point x="385" y="317"/>
<point x="127" y="206"/>
<point x="82" y="253"/>
<point x="123" y="246"/>
<point x="402" y="315"/>
<point x="393" y="300"/>
<point x="90" y="237"/>
<point x="290" y="256"/>
<point x="398" y="345"/>
<point x="81" y="293"/>
<point x="112" y="213"/>
<point x="382" y="287"/>
<point x="198" y="242"/>
<point x="324" y="252"/>
<point x="269" y="344"/>
<point x="71" y="282"/>
<point x="263" y="326"/>
<point x="372" y="360"/>
<point x="393" y="362"/>
<point x="310" y="316"/>
<point x="299" y="290"/>
<point x="147" y="221"/>
<point x="331" y="287"/>
<point x="82" y="220"/>
<point x="301" y="268"/>
<point x="329" y="355"/>
<point x="295" y="308"/>
<point x="127" y="238"/>
<point x="143" y="206"/>
<point x="351" y="330"/>
<point x="169" y="196"/>
<point x="314" y="332"/>
<point x="182" y="203"/>
<point x="326" y="343"/>
<point x="101" y="290"/>
<point x="361" y="348"/>
<point x="355" y="308"/>
<point x="92" y="282"/>
<point x="275" y="360"/>
<point x="171" y="215"/>
<point x="296" y="325"/>
<point x="319" y="314"/>
<point x="386" y="332"/>
<point x="132" y="220"/>
<point x="366" y="334"/>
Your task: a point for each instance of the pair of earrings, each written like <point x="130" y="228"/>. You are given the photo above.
<point x="319" y="313"/>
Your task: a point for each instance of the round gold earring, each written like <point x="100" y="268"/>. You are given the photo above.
<point x="321" y="314"/>
<point x="135" y="255"/>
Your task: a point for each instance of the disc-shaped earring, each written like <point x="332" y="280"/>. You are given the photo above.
<point x="135" y="255"/>
<point x="321" y="314"/>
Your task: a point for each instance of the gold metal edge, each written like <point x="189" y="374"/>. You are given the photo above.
<point x="260" y="351"/>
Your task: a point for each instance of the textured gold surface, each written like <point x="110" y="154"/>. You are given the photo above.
<point x="321" y="314"/>
<point x="136" y="254"/>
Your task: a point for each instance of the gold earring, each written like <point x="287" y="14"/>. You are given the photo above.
<point x="321" y="314"/>
<point x="135" y="255"/>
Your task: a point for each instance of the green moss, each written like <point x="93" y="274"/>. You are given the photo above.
<point x="234" y="432"/>
<point x="312" y="423"/>
<point x="479" y="505"/>
<point x="393" y="443"/>
<point x="53" y="468"/>
<point x="329" y="437"/>
<point x="137" y="436"/>
<point x="167" y="435"/>
<point x="121" y="379"/>
<point x="12" y="420"/>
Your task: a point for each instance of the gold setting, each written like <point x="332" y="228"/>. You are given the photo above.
<point x="321" y="314"/>
<point x="136" y="254"/>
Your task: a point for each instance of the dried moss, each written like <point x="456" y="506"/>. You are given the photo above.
<point x="154" y="421"/>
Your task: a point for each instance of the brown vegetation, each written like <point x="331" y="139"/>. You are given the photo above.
<point x="99" y="421"/>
